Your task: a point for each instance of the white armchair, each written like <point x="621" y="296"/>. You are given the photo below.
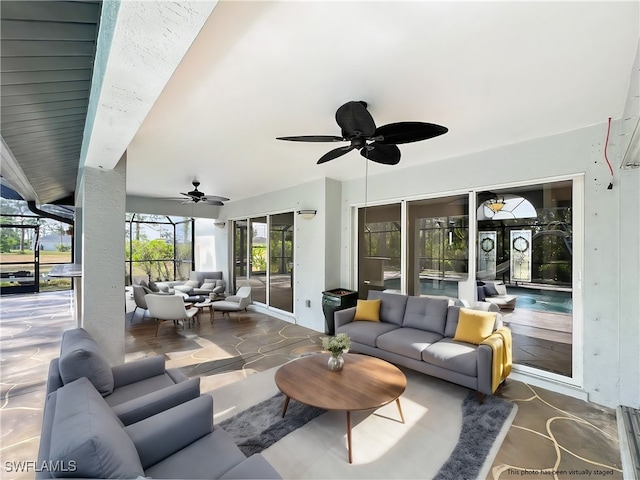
<point x="234" y="303"/>
<point x="139" y="293"/>
<point x="168" y="307"/>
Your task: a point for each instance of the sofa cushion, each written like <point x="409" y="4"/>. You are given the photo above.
<point x="80" y="357"/>
<point x="408" y="342"/>
<point x="392" y="307"/>
<point x="209" y="457"/>
<point x="451" y="355"/>
<point x="153" y="287"/>
<point x="192" y="283"/>
<point x="490" y="290"/>
<point x="367" y="310"/>
<point x="474" y="326"/>
<point x="365" y="332"/>
<point x="86" y="431"/>
<point x="183" y="288"/>
<point x="428" y="314"/>
<point x="208" y="284"/>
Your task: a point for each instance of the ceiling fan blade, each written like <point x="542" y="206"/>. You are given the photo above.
<point x="313" y="138"/>
<point x="377" y="152"/>
<point x="213" y="202"/>
<point x="335" y="153"/>
<point x="407" y="132"/>
<point x="355" y="120"/>
<point x="215" y="198"/>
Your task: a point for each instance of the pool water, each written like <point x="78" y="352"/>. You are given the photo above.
<point x="542" y="300"/>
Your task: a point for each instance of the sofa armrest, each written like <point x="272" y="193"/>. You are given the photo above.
<point x="156" y="402"/>
<point x="132" y="372"/>
<point x="176" y="375"/>
<point x="485" y="358"/>
<point x="54" y="380"/>
<point x="162" y="435"/>
<point x="342" y="317"/>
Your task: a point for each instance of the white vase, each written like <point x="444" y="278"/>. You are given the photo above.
<point x="336" y="362"/>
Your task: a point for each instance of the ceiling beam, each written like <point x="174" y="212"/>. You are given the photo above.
<point x="140" y="44"/>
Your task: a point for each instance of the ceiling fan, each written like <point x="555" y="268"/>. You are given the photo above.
<point x="196" y="196"/>
<point x="378" y="144"/>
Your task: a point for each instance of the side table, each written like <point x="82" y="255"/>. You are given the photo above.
<point x="208" y="303"/>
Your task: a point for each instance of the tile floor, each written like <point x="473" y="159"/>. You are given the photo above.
<point x="552" y="436"/>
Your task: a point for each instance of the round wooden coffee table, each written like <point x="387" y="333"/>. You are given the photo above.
<point x="365" y="383"/>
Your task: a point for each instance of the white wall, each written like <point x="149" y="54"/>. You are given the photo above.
<point x="316" y="253"/>
<point x="157" y="206"/>
<point x="575" y="152"/>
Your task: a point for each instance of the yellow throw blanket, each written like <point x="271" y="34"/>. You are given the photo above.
<point x="500" y="343"/>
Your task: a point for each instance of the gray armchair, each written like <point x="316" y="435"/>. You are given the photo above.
<point x="79" y="429"/>
<point x="139" y="292"/>
<point x="234" y="303"/>
<point x="134" y="390"/>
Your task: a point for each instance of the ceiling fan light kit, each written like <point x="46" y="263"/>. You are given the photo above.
<point x="378" y="144"/>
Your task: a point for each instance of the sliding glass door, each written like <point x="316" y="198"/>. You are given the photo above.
<point x="379" y="248"/>
<point x="240" y="252"/>
<point x="258" y="259"/>
<point x="281" y="261"/>
<point x="438" y="245"/>
<point x="263" y="255"/>
<point x="524" y="262"/>
<point x="525" y="247"/>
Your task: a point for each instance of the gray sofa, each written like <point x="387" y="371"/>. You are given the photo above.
<point x="82" y="437"/>
<point x="199" y="283"/>
<point x="417" y="333"/>
<point x="134" y="390"/>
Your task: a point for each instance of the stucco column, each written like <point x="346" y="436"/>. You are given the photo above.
<point x="103" y="215"/>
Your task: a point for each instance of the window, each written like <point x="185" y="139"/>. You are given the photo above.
<point x="158" y="247"/>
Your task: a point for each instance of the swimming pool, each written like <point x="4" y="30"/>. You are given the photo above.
<point x="542" y="300"/>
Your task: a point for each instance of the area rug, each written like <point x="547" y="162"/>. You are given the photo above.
<point x="446" y="433"/>
<point x="262" y="425"/>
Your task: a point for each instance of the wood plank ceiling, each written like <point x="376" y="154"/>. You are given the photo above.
<point x="47" y="56"/>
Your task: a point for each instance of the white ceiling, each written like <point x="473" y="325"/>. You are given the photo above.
<point x="494" y="73"/>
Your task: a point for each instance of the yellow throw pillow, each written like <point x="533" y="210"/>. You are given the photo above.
<point x="474" y="326"/>
<point x="368" y="310"/>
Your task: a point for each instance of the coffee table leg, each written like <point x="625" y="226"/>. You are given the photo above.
<point x="400" y="409"/>
<point x="349" y="435"/>
<point x="286" y="404"/>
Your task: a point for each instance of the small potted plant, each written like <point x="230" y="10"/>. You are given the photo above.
<point x="336" y="346"/>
